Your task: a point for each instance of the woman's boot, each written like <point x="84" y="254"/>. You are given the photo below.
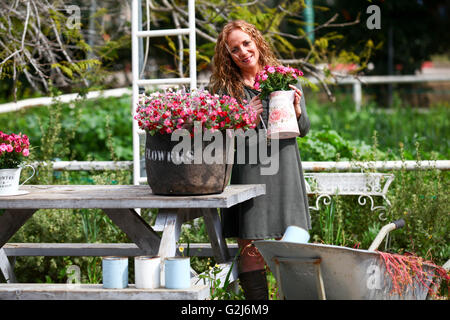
<point x="254" y="285"/>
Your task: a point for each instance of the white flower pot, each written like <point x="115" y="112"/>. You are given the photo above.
<point x="10" y="178"/>
<point x="282" y="119"/>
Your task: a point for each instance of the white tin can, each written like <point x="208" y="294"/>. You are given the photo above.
<point x="147" y="272"/>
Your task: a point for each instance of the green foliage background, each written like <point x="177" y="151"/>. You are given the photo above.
<point x="337" y="131"/>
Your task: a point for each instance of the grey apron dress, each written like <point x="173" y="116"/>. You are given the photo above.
<point x="285" y="202"/>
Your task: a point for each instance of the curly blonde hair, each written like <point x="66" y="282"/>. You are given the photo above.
<point x="226" y="76"/>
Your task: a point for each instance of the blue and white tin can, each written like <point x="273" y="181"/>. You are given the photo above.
<point x="177" y="272"/>
<point x="115" y="272"/>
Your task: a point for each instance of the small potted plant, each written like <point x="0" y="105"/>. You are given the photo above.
<point x="14" y="148"/>
<point x="273" y="82"/>
<point x="196" y="165"/>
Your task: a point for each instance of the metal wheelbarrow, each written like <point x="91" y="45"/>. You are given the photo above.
<point x="310" y="271"/>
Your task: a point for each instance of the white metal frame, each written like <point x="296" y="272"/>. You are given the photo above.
<point x="137" y="82"/>
<point x="308" y="166"/>
<point x="366" y="185"/>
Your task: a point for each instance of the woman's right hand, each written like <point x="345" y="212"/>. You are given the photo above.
<point x="257" y="106"/>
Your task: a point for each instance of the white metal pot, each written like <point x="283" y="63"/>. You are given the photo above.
<point x="147" y="272"/>
<point x="10" y="178"/>
<point x="282" y="120"/>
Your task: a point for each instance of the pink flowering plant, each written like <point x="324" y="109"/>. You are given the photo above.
<point x="165" y="112"/>
<point x="13" y="149"/>
<point x="276" y="78"/>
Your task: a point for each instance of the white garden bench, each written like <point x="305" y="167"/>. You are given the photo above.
<point x="367" y="185"/>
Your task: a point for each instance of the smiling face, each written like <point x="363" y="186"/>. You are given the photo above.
<point x="243" y="50"/>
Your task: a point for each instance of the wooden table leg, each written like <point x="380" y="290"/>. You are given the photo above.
<point x="10" y="222"/>
<point x="214" y="228"/>
<point x="169" y="221"/>
<point x="136" y="229"/>
<point x="228" y="267"/>
<point x="6" y="268"/>
<point x="170" y="236"/>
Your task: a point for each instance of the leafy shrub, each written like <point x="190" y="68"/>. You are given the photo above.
<point x="402" y="123"/>
<point x="77" y="131"/>
<point x="421" y="198"/>
<point x="328" y="145"/>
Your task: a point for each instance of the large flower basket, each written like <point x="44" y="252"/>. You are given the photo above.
<point x="167" y="176"/>
<point x="203" y="164"/>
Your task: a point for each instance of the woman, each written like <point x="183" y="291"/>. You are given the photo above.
<point x="240" y="53"/>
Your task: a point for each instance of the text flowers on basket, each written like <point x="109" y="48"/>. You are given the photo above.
<point x="276" y="78"/>
<point x="164" y="112"/>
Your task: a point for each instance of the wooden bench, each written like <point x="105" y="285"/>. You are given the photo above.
<point x="323" y="185"/>
<point x="117" y="202"/>
<point x="61" y="291"/>
<point x="101" y="249"/>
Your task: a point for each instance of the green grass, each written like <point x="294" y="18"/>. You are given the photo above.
<point x="400" y="124"/>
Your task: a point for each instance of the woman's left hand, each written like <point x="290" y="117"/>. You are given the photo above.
<point x="297" y="98"/>
<point x="257" y="106"/>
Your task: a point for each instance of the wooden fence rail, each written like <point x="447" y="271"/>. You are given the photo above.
<point x="308" y="166"/>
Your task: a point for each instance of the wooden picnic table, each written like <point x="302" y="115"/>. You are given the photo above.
<point x="119" y="203"/>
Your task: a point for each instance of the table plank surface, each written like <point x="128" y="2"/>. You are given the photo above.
<point x="122" y="196"/>
<point x="60" y="291"/>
